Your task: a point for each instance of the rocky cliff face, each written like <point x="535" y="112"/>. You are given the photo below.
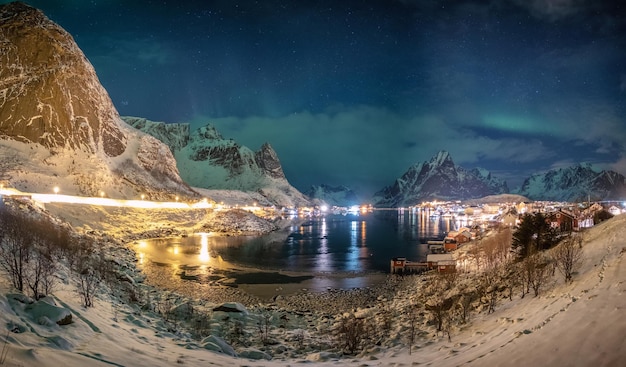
<point x="438" y="179"/>
<point x="175" y="136"/>
<point x="267" y="159"/>
<point x="576" y="183"/>
<point x="49" y="92"/>
<point x="58" y="124"/>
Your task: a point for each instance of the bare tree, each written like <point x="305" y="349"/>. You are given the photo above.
<point x="511" y="279"/>
<point x="465" y="305"/>
<point x="475" y="253"/>
<point x="87" y="284"/>
<point x="265" y="323"/>
<point x="568" y="256"/>
<point x="350" y="333"/>
<point x="488" y="288"/>
<point x="85" y="268"/>
<point x="537" y="272"/>
<point x="413" y="312"/>
<point x="497" y="247"/>
<point x="15" y="246"/>
<point x="439" y="299"/>
<point x="37" y="268"/>
<point x="41" y="267"/>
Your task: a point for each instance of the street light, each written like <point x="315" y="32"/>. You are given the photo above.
<point x="143" y="196"/>
<point x="55" y="189"/>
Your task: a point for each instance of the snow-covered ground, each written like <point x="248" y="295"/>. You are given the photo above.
<point x="577" y="324"/>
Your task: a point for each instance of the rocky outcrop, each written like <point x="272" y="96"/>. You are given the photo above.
<point x="49" y="92"/>
<point x="438" y="179"/>
<point x="267" y="159"/>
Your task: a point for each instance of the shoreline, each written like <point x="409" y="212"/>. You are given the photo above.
<point x="251" y="285"/>
<point x="316" y="284"/>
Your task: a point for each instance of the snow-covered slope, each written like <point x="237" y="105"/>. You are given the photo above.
<point x="438" y="179"/>
<point x="334" y="195"/>
<point x="576" y="183"/>
<point x="568" y="324"/>
<point x="206" y="160"/>
<point x="58" y="126"/>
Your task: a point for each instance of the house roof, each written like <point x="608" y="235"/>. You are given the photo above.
<point x="439" y="257"/>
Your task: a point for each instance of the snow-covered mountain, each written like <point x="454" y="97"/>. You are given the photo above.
<point x="206" y="160"/>
<point x="58" y="126"/>
<point x="334" y="195"/>
<point x="576" y="183"/>
<point x="439" y="179"/>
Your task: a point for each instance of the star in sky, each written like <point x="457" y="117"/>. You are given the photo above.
<point x="354" y="92"/>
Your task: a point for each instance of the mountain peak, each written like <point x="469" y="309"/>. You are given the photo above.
<point x="439" y="179"/>
<point x="441" y="158"/>
<point x="267" y="159"/>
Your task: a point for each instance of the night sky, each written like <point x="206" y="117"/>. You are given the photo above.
<point x="355" y="92"/>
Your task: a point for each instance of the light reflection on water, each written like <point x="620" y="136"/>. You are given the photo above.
<point x="204" y="248"/>
<point x="332" y="244"/>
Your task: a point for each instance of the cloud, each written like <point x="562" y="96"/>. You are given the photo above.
<point x="553" y="10"/>
<point x="619" y="165"/>
<point x="368" y="147"/>
<point x="342" y="146"/>
<point x="508" y="150"/>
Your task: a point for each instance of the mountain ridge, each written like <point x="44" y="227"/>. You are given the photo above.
<point x="579" y="182"/>
<point x="439" y="178"/>
<point x="207" y="160"/>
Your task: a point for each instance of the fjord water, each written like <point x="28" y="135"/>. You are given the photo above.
<point x="355" y="244"/>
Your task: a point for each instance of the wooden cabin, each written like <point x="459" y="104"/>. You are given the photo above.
<point x="443" y="263"/>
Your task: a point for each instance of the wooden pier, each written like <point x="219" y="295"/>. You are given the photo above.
<point x="400" y="265"/>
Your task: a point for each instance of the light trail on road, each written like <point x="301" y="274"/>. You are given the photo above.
<point x="70" y="199"/>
